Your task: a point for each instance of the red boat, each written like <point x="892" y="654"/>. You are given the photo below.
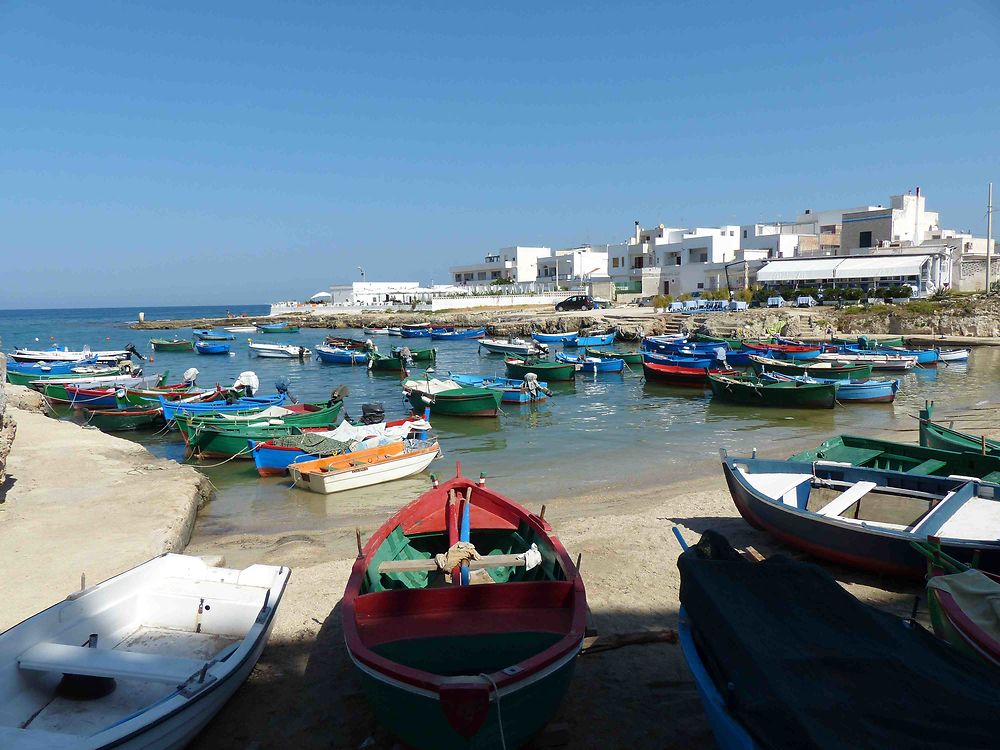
<point x="694" y="377"/>
<point x="786" y="351"/>
<point x="449" y="664"/>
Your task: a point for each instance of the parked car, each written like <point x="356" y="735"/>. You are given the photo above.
<point x="577" y="302"/>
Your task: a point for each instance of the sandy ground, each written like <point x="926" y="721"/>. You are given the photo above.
<point x="79" y="501"/>
<point x="304" y="693"/>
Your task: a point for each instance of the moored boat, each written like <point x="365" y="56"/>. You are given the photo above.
<point x="279" y="351"/>
<point x="340" y="356"/>
<point x="516" y="346"/>
<point x="820" y="369"/>
<point x="142" y="660"/>
<point x="953" y="355"/>
<point x="785" y="351"/>
<point x="692" y="377"/>
<point x="519" y="368"/>
<point x="526" y="391"/>
<point x="876" y="361"/>
<point x="934" y="435"/>
<point x="747" y="629"/>
<point x="171" y="345"/>
<point x="442" y="334"/>
<point x="415" y="355"/>
<point x="681" y="360"/>
<point x="920" y="356"/>
<point x="869" y="342"/>
<point x="753" y="392"/>
<point x="240" y="329"/>
<point x="244" y="404"/>
<point x="56" y="354"/>
<point x="866" y="518"/>
<point x="30" y="377"/>
<point x="118" y="420"/>
<point x="276" y="328"/>
<point x="592" y="364"/>
<point x="446" y="397"/>
<point x="479" y="666"/>
<point x="212" y="347"/>
<point x="554" y="338"/>
<point x="364" y="468"/>
<point x="384" y="363"/>
<point x="629" y="358"/>
<point x="595" y="339"/>
<point x="210" y="335"/>
<point x="415" y="330"/>
<point x="867" y="391"/>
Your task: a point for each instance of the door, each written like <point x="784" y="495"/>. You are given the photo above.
<point x="865" y="239"/>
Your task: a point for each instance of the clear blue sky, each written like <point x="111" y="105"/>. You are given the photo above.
<point x="183" y="153"/>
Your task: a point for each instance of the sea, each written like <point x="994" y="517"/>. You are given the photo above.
<point x="603" y="435"/>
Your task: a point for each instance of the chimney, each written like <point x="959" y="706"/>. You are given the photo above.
<point x="638" y="229"/>
<point x="918" y="191"/>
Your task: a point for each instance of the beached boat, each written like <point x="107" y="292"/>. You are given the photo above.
<point x="796" y="352"/>
<point x="244" y="404"/>
<point x="830" y="370"/>
<point x="905" y="457"/>
<point x="519" y="369"/>
<point x="272" y="457"/>
<point x="276" y="328"/>
<point x="340" y="356"/>
<point x="481" y="666"/>
<point x="99" y="392"/>
<point x="933" y="435"/>
<point x="691" y="377"/>
<point x="596" y="339"/>
<point x="209" y="335"/>
<point x="364" y="468"/>
<point x="554" y="338"/>
<point x="120" y="396"/>
<point x="527" y="391"/>
<point x="446" y="397"/>
<point x="592" y="364"/>
<point x="747" y="630"/>
<point x="953" y="355"/>
<point x="876" y="361"/>
<point x="221" y="440"/>
<point x="212" y="347"/>
<point x="519" y="347"/>
<point x="867" y="391"/>
<point x="961" y="603"/>
<point x="629" y="358"/>
<point x="866" y="518"/>
<point x="143" y="660"/>
<point x="56" y="354"/>
<point x="415" y="355"/>
<point x="753" y="392"/>
<point x="118" y="420"/>
<point x="441" y="334"/>
<point x="279" y="351"/>
<point x="171" y="345"/>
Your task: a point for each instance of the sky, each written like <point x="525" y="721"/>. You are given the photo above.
<point x="245" y="152"/>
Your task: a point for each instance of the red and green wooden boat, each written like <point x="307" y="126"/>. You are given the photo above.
<point x="171" y="345"/>
<point x="302" y="415"/>
<point x="119" y="420"/>
<point x="227" y="438"/>
<point x="448" y="398"/>
<point x="790" y="394"/>
<point x="689" y="377"/>
<point x="630" y="358"/>
<point x="785" y="351"/>
<point x="829" y="370"/>
<point x="933" y="435"/>
<point x="384" y="363"/>
<point x="84" y="372"/>
<point x="443" y="662"/>
<point x="517" y="368"/>
<point x="960" y="600"/>
<point x="417" y="355"/>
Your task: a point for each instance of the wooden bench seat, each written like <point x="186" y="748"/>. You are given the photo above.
<point x="103" y="662"/>
<point x="927" y="467"/>
<point x="846" y="499"/>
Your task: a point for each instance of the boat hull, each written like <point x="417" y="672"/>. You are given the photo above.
<point x="629" y="358"/>
<point x="203" y="347"/>
<point x="485" y="404"/>
<point x="180" y="345"/>
<point x="685" y="377"/>
<point x="801" y="396"/>
<point x="544" y="370"/>
<point x="120" y="420"/>
<point x="554" y="338"/>
<point x="472" y="333"/>
<point x="603" y="340"/>
<point x="398" y="468"/>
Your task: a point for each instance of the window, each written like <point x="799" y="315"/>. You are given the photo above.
<point x="744" y="234"/>
<point x="458" y="277"/>
<point x="732" y="233"/>
<point x="701" y="286"/>
<point x="677" y="260"/>
<point x="614" y="262"/>
<point x="865" y="239"/>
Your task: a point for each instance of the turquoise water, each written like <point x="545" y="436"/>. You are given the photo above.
<point x="598" y="433"/>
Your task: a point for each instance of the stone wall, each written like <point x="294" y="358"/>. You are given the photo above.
<point x="7" y="424"/>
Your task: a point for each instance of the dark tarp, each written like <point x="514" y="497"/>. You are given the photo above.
<point x="803" y="664"/>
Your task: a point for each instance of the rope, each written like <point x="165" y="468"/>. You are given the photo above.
<point x="235" y="455"/>
<point x="496" y="699"/>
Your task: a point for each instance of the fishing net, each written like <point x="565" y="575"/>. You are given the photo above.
<point x="316" y="445"/>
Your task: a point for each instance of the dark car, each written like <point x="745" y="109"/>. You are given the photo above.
<point x="577" y="302"/>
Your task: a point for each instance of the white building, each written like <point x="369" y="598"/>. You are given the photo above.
<point x="375" y="293"/>
<point x="574" y="266"/>
<point x="905" y="221"/>
<point x="695" y="260"/>
<point x="518" y="264"/>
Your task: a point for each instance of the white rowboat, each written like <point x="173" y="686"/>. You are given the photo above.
<point x="877" y="361"/>
<point x="171" y="640"/>
<point x="61" y="355"/>
<point x="365" y="467"/>
<point x="280" y="351"/>
<point x="240" y="329"/>
<point x="520" y="347"/>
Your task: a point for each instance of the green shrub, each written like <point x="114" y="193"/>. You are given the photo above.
<point x="852" y="294"/>
<point x="854" y="309"/>
<point x="923" y="307"/>
<point x="940" y="294"/>
<point x="662" y="301"/>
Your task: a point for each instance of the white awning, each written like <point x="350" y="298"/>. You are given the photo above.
<point x="321" y="295"/>
<point x="875" y="267"/>
<point x="799" y="270"/>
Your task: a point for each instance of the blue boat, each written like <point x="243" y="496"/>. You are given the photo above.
<point x="49" y="368"/>
<point x="205" y="334"/>
<point x="869" y="391"/>
<point x="514" y="391"/>
<point x="601" y="339"/>
<point x="212" y="347"/>
<point x="419" y="330"/>
<point x="592" y="364"/>
<point x="679" y="360"/>
<point x="340" y="356"/>
<point x="670" y="346"/>
<point x="443" y="334"/>
<point x="554" y="338"/>
<point x="211" y="408"/>
<point x="923" y="356"/>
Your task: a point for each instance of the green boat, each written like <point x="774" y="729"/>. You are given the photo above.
<point x="445" y="397"/>
<point x="227" y="441"/>
<point x="117" y="420"/>
<point x="417" y="355"/>
<point x="734" y="344"/>
<point x="906" y="457"/>
<point x="546" y="371"/>
<point x="869" y="342"/>
<point x="631" y="358"/>
<point x="384" y="363"/>
<point x="831" y="370"/>
<point x="171" y="345"/>
<point x="934" y="435"/>
<point x="301" y="415"/>
<point x="788" y="394"/>
<point x="446" y="664"/>
<point x="86" y="373"/>
<point x="281" y="329"/>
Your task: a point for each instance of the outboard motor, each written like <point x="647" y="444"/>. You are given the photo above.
<point x="373" y="413"/>
<point x="130" y="348"/>
<point x="281" y="386"/>
<point x="191" y="377"/>
<point x="338" y="394"/>
<point x="248" y="382"/>
<point x="406" y="356"/>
